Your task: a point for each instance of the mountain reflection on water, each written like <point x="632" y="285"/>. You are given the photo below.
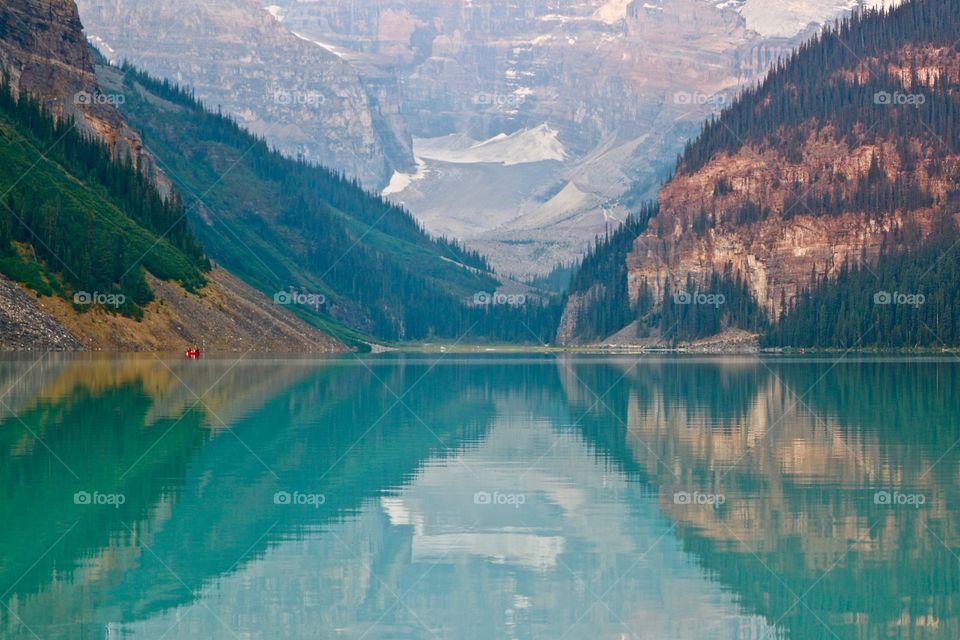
<point x="479" y="497"/>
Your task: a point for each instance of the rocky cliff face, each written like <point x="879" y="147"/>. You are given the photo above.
<point x="302" y="96"/>
<point x="44" y="53"/>
<point x="779" y="252"/>
<point x="621" y="85"/>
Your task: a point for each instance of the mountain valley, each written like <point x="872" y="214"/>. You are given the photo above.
<point x="617" y="86"/>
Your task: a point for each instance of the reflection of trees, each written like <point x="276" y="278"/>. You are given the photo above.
<point x="110" y="425"/>
<point x="202" y="499"/>
<point x="799" y="480"/>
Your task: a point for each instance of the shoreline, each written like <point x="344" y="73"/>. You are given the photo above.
<point x="461" y="349"/>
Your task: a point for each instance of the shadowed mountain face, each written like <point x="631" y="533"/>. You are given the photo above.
<point x="535" y="123"/>
<point x="723" y="498"/>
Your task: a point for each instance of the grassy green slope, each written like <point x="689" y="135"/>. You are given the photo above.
<point x="62" y="231"/>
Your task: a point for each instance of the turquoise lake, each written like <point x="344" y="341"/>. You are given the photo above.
<point x="480" y="496"/>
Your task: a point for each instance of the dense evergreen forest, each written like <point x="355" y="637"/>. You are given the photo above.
<point x="841" y="81"/>
<point x="701" y="309"/>
<point x="691" y="311"/>
<point x="600" y="282"/>
<point x="74" y="219"/>
<point x="282" y="223"/>
<point x="909" y="298"/>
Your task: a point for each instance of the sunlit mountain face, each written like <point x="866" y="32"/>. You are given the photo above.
<point x="480" y="497"/>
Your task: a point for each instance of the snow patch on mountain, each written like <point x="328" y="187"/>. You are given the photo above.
<point x="105" y="49"/>
<point x="535" y="144"/>
<point x="569" y="200"/>
<point x="275" y="11"/>
<point x="789" y="17"/>
<point x="612" y="11"/>
<point x="323" y="45"/>
<point x="400" y="181"/>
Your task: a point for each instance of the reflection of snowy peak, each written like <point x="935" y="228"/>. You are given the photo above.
<point x="433" y="559"/>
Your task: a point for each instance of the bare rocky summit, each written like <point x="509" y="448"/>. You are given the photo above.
<point x="44" y="53"/>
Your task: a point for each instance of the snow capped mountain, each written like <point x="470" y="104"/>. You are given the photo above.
<point x="532" y="119"/>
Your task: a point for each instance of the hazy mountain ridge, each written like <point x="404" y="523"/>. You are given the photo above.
<point x="303" y="98"/>
<point x="624" y="85"/>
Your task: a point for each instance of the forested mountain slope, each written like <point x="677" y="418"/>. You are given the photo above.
<point x="847" y="154"/>
<point x="96" y="250"/>
<point x="286" y="225"/>
<point x="113" y="262"/>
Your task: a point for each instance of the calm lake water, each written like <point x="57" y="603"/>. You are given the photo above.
<point x="479" y="497"/>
